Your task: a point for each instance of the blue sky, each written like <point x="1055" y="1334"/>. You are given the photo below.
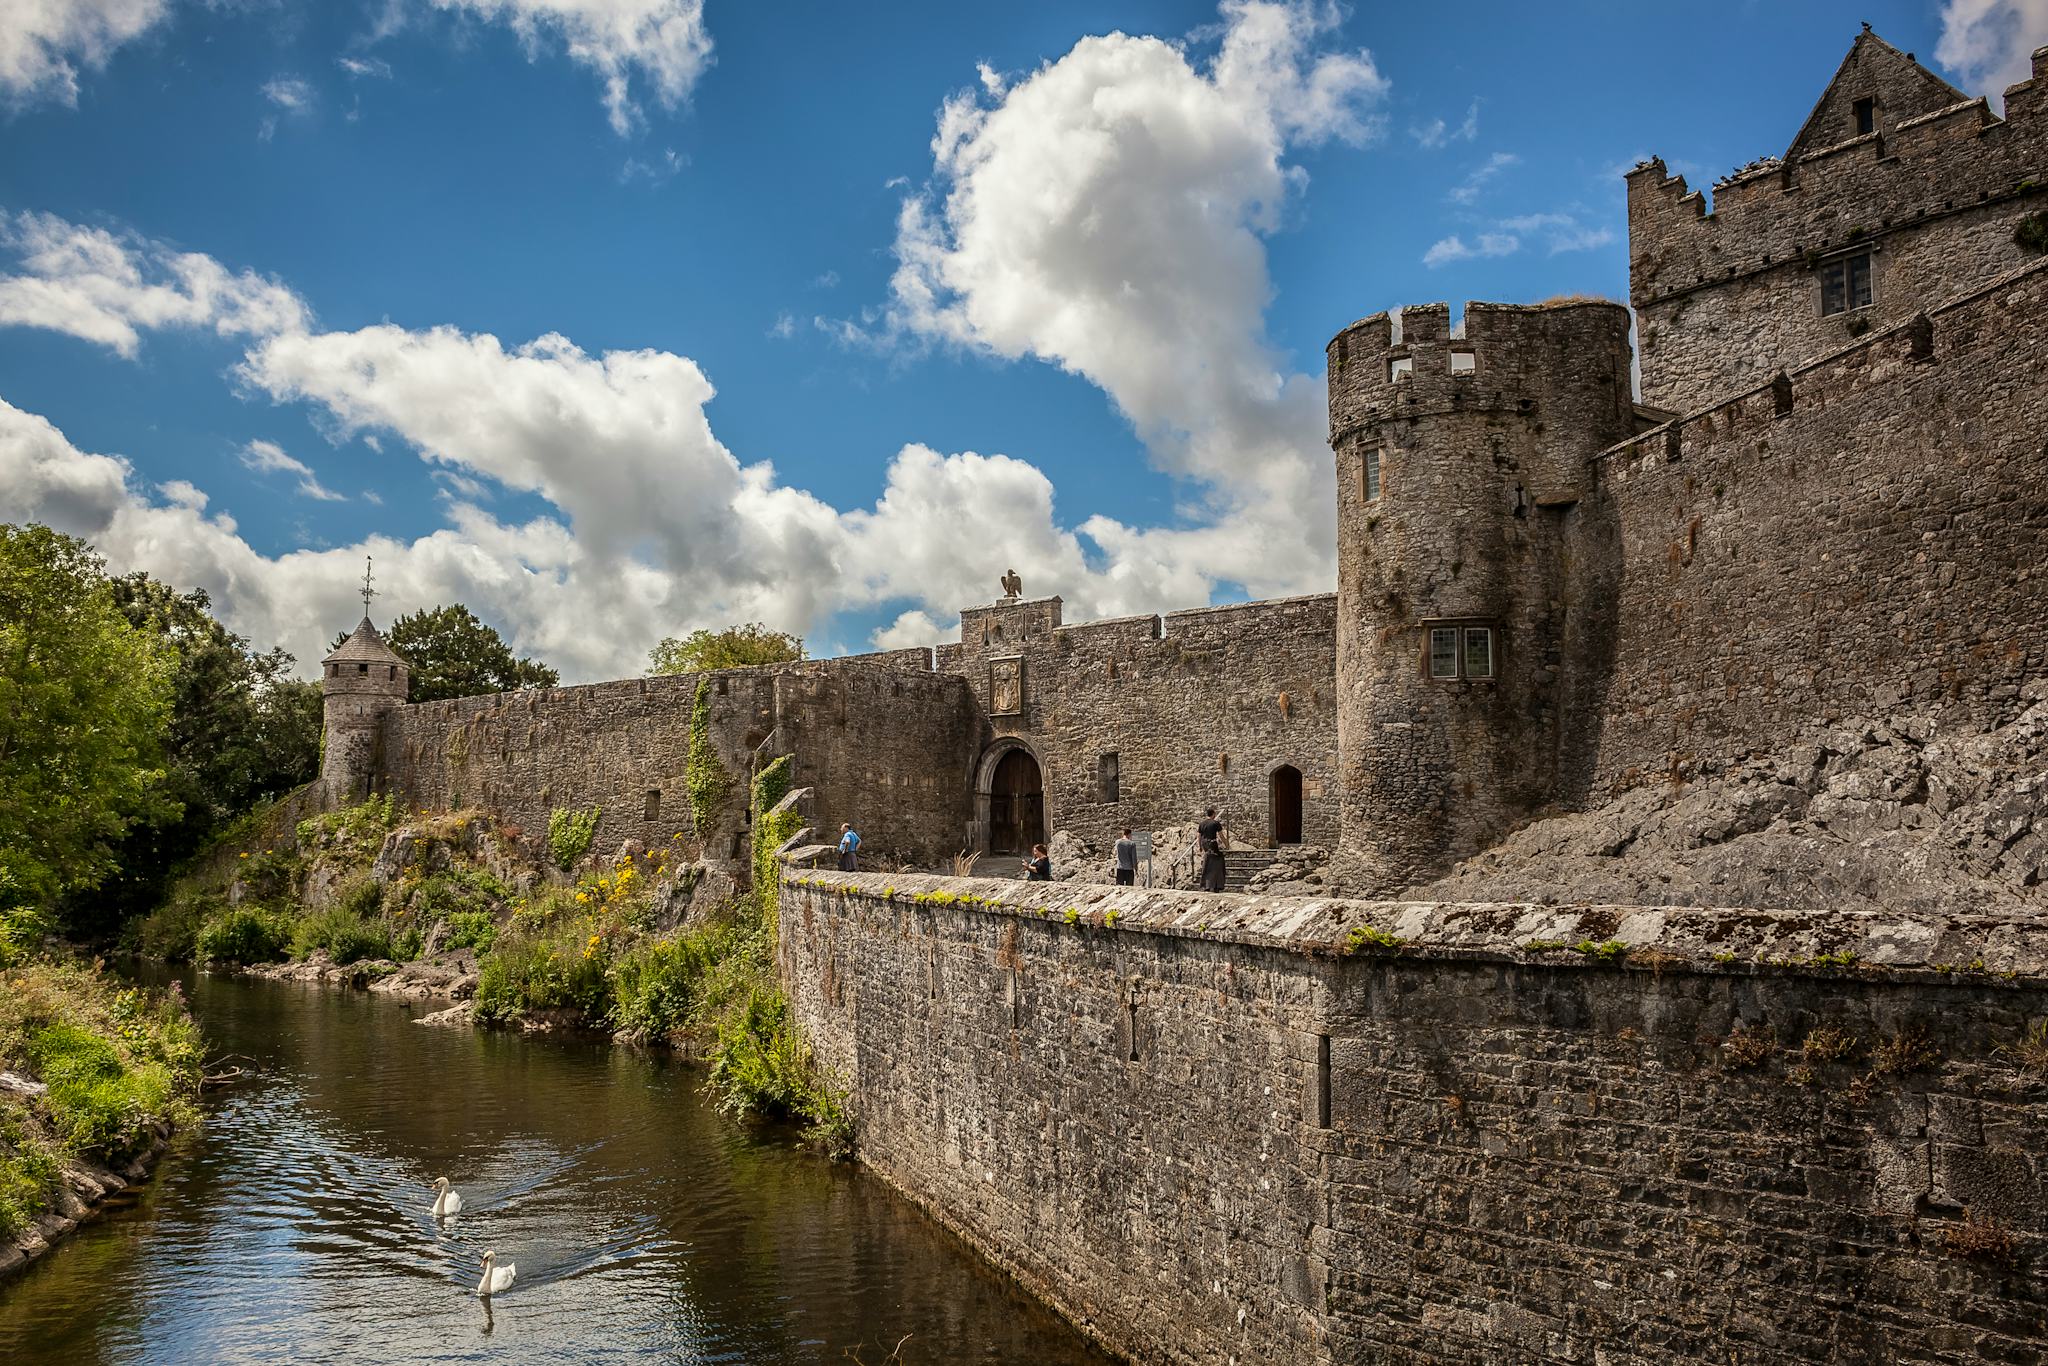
<point x="272" y="276"/>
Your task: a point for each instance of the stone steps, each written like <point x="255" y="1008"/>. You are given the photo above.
<point x="1241" y="865"/>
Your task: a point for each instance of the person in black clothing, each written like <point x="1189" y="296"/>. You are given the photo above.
<point x="1213" y="841"/>
<point x="1038" y="868"/>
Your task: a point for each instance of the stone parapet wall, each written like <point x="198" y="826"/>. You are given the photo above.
<point x="1863" y="539"/>
<point x="1208" y="1132"/>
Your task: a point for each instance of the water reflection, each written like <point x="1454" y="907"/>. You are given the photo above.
<point x="299" y="1224"/>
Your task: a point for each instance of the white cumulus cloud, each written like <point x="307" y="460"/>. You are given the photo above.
<point x="107" y="288"/>
<point x="1990" y="43"/>
<point x="1107" y="213"/>
<point x="43" y="43"/>
<point x="635" y="47"/>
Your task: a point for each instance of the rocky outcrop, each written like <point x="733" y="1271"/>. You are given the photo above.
<point x="1895" y="815"/>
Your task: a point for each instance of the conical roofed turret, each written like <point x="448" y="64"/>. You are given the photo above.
<point x="366" y="646"/>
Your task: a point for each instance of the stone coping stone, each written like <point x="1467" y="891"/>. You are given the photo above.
<point x="1990" y="950"/>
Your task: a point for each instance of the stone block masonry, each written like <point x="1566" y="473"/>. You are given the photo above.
<point x="1208" y="1133"/>
<point x="880" y="744"/>
<point x="1864" y="538"/>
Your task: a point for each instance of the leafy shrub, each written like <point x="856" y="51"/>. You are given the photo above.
<point x="244" y="934"/>
<point x="268" y="876"/>
<point x="471" y="930"/>
<point x="762" y="1068"/>
<point x="346" y="936"/>
<point x="22" y="930"/>
<point x="570" y="833"/>
<point x="655" y="983"/>
<point x="405" y="947"/>
<point x="170" y="933"/>
<point x="363" y="897"/>
<point x="27" y="1170"/>
<point x="549" y="970"/>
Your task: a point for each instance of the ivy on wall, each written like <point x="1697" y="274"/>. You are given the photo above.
<point x="709" y="784"/>
<point x="772" y="829"/>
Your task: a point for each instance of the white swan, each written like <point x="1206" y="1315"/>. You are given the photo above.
<point x="446" y="1200"/>
<point x="496" y="1277"/>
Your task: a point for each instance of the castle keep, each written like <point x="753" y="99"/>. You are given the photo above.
<point x="1510" y="1125"/>
<point x="1829" y="502"/>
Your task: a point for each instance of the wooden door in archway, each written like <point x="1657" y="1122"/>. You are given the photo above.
<point x="1016" y="804"/>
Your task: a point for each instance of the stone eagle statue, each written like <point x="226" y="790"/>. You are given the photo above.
<point x="1012" y="585"/>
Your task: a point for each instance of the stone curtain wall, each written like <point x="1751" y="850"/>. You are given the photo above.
<point x="1744" y="1135"/>
<point x="1874" y="549"/>
<point x="881" y="740"/>
<point x="1724" y="299"/>
<point x="1199" y="709"/>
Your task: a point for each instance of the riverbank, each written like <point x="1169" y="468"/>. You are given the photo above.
<point x="527" y="934"/>
<point x="95" y="1077"/>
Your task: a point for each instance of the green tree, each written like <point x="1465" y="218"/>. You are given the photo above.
<point x="736" y="647"/>
<point x="241" y="729"/>
<point x="85" y="699"/>
<point x="452" y="654"/>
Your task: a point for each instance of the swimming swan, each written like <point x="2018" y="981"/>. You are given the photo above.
<point x="496" y="1277"/>
<point x="446" y="1201"/>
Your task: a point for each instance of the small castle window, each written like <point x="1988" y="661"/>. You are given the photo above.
<point x="1478" y="652"/>
<point x="1400" y="368"/>
<point x="391" y="672"/>
<point x="1845" y="284"/>
<point x="362" y="668"/>
<point x="1369" y="476"/>
<point x="1109" y="778"/>
<point x="1463" y="362"/>
<point x="1443" y="652"/>
<point x="1866" y="116"/>
<point x="1461" y="653"/>
<point x="651" y="809"/>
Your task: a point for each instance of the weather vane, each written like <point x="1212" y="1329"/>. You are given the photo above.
<point x="368" y="592"/>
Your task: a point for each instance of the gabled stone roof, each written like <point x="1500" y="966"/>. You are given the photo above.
<point x="1873" y="69"/>
<point x="364" y="647"/>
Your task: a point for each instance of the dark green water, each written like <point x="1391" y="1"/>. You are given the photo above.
<point x="297" y="1225"/>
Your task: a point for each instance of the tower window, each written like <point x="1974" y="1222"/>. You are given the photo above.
<point x="1461" y="653"/>
<point x="1443" y="652"/>
<point x="1845" y="284"/>
<point x="1478" y="652"/>
<point x="650" y="808"/>
<point x="1866" y="116"/>
<point x="1400" y="368"/>
<point x="1369" y="476"/>
<point x="391" y="672"/>
<point x="1109" y="778"/>
<point x="1463" y="362"/>
<point x="362" y="668"/>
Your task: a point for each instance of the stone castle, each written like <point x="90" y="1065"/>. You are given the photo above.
<point x="1830" y="500"/>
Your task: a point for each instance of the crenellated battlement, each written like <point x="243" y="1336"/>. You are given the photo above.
<point x="1898" y="194"/>
<point x="1505" y="359"/>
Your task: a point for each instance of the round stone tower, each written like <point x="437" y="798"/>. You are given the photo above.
<point x="1460" y="460"/>
<point x="359" y="681"/>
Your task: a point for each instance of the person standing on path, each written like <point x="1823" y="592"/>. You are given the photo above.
<point x="849" y="846"/>
<point x="1213" y="841"/>
<point x="1126" y="859"/>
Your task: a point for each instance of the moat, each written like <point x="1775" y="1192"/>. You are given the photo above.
<point x="296" y="1225"/>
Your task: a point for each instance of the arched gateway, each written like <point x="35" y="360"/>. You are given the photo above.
<point x="1009" y="798"/>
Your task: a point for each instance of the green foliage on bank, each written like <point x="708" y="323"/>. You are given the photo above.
<point x="570" y="833"/>
<point x="117" y="1061"/>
